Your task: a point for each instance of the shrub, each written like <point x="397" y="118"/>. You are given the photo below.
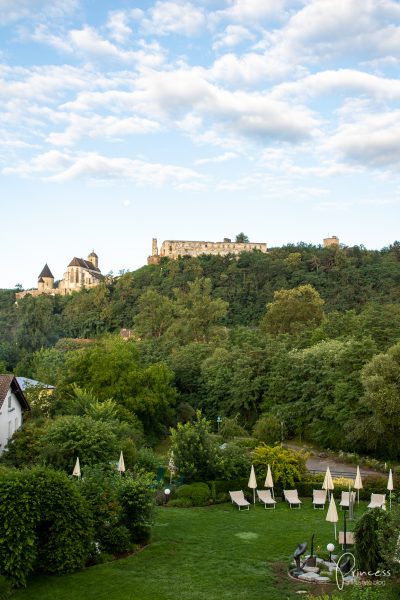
<point x="268" y="429"/>
<point x="286" y="465"/>
<point x="99" y="487"/>
<point x="137" y="502"/>
<point x="368" y="544"/>
<point x="116" y="539"/>
<point x="245" y="442"/>
<point x="146" y="460"/>
<point x="233" y="462"/>
<point x="230" y="428"/>
<point x="180" y="503"/>
<point x="198" y="493"/>
<point x="45" y="524"/>
<point x="195" y="450"/>
<point x="70" y="436"/>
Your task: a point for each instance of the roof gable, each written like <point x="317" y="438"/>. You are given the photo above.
<point x="10" y="381"/>
<point x="84" y="264"/>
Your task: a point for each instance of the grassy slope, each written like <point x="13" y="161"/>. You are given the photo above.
<point x="201" y="553"/>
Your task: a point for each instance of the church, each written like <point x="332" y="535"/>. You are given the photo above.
<point x="81" y="273"/>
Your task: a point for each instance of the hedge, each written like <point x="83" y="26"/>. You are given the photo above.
<point x="45" y="524"/>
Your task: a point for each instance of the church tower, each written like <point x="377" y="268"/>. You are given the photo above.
<point x="94" y="259"/>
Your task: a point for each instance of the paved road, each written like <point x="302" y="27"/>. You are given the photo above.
<point x="320" y="463"/>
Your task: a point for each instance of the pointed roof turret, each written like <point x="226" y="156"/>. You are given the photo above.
<point x="93" y="253"/>
<point x="46" y="272"/>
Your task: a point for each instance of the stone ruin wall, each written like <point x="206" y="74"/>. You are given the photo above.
<point x="175" y="248"/>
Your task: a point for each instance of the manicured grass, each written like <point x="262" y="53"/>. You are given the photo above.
<point x="208" y="553"/>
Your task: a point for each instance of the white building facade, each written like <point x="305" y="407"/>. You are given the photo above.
<point x="13" y="405"/>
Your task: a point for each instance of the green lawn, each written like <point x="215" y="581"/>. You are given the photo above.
<point x="208" y="553"/>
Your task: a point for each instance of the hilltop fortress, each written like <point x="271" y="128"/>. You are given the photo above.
<point x="175" y="248"/>
<point x="80" y="274"/>
<point x="83" y="273"/>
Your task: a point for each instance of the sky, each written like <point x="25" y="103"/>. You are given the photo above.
<point x="124" y="120"/>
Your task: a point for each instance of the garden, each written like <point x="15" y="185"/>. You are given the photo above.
<point x="159" y="531"/>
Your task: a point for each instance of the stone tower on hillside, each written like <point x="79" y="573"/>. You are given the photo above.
<point x="94" y="259"/>
<point x="46" y="279"/>
<point x="331" y="241"/>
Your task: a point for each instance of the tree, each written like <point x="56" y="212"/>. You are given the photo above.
<point x="368" y="543"/>
<point x="111" y="368"/>
<point x="37" y="325"/>
<point x="241" y="238"/>
<point x="379" y="431"/>
<point x="195" y="451"/>
<point x="155" y="314"/>
<point x="293" y="309"/>
<point x="198" y="314"/>
<point x="69" y="437"/>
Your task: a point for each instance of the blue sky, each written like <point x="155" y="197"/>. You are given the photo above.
<point x="121" y="121"/>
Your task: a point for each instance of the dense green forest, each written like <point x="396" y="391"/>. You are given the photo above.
<point x="302" y="340"/>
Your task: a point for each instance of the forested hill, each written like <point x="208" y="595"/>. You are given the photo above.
<point x="346" y="278"/>
<point x="303" y="335"/>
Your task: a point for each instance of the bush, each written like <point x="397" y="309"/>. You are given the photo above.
<point x="45" y="524"/>
<point x="99" y="487"/>
<point x="230" y="428"/>
<point x="116" y="539"/>
<point x="137" y="502"/>
<point x="70" y="436"/>
<point x="368" y="544"/>
<point x="180" y="503"/>
<point x="199" y="494"/>
<point x="195" y="450"/>
<point x="287" y="466"/>
<point x="233" y="462"/>
<point x="146" y="460"/>
<point x="220" y="488"/>
<point x="268" y="429"/>
<point x="245" y="442"/>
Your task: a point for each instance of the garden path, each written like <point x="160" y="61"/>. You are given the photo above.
<point x="319" y="461"/>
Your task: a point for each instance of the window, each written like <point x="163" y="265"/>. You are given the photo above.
<point x="9" y="400"/>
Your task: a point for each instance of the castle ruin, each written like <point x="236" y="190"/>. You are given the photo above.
<point x="174" y="249"/>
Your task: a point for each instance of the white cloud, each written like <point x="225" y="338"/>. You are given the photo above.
<point x="16" y="10"/>
<point x="348" y="80"/>
<point x="169" y="17"/>
<point x="98" y="126"/>
<point x="233" y="35"/>
<point x="372" y="140"/>
<point x="254" y="115"/>
<point x="253" y="11"/>
<point x="88" y="43"/>
<point x="118" y="26"/>
<point x="217" y="159"/>
<point x="61" y="167"/>
<point x="248" y="69"/>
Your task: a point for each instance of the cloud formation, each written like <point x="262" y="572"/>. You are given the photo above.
<point x="312" y="85"/>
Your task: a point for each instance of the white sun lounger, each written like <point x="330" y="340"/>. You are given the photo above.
<point x="319" y="498"/>
<point x="265" y="497"/>
<point x="345" y="499"/>
<point x="292" y="497"/>
<point x="239" y="499"/>
<point x="377" y="501"/>
<point x="349" y="538"/>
